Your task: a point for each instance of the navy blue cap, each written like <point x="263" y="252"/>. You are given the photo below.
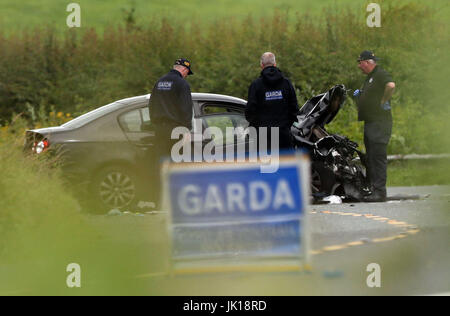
<point x="184" y="62"/>
<point x="366" y="55"/>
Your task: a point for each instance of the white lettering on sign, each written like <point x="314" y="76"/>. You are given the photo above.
<point x="274" y="95"/>
<point x="237" y="197"/>
<point x="283" y="196"/>
<point x="213" y="201"/>
<point x="189" y="199"/>
<point x="259" y="204"/>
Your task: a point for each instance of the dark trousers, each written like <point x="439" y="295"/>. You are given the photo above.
<point x="284" y="141"/>
<point x="163" y="141"/>
<point x="161" y="150"/>
<point x="376" y="138"/>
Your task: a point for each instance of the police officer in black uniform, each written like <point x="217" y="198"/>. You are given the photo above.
<point x="171" y="105"/>
<point x="272" y="102"/>
<point x="374" y="109"/>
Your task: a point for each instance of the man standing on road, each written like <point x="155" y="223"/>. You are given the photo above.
<point x="272" y="102"/>
<point x="374" y="109"/>
<point x="171" y="105"/>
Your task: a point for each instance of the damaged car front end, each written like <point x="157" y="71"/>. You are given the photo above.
<point x="338" y="167"/>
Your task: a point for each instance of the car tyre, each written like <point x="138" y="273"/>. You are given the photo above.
<point x="113" y="187"/>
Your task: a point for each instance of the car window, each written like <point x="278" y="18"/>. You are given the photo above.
<point x="135" y="120"/>
<point x="145" y="112"/>
<point x="216" y="108"/>
<point x="224" y="121"/>
<point x="211" y="109"/>
<point x="93" y="115"/>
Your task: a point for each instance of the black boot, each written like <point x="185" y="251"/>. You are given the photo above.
<point x="375" y="197"/>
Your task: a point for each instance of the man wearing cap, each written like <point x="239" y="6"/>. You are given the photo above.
<point x="374" y="109"/>
<point x="272" y="102"/>
<point x="171" y="104"/>
<point x="170" y="107"/>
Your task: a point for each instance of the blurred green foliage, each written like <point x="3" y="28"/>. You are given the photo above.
<point x="43" y="230"/>
<point x="39" y="221"/>
<point x="42" y="72"/>
<point x="419" y="172"/>
<point x="98" y="14"/>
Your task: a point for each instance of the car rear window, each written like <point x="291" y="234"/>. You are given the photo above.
<point x="133" y="121"/>
<point x="213" y="108"/>
<point x="93" y="115"/>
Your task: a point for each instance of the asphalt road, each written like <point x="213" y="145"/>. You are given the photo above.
<point x="408" y="239"/>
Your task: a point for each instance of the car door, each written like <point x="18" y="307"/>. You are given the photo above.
<point x="216" y="107"/>
<point x="137" y="126"/>
<point x="232" y="138"/>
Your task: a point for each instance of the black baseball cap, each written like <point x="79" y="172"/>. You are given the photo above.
<point x="366" y="55"/>
<point x="184" y="62"/>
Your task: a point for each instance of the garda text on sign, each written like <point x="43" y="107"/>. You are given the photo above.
<point x="223" y="211"/>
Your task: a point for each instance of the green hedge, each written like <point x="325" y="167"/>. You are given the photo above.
<point x="41" y="72"/>
<point x="42" y="231"/>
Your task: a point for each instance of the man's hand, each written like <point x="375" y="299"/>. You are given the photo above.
<point x="386" y="105"/>
<point x="388" y="92"/>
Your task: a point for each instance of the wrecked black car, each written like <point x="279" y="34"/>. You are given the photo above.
<point x="338" y="167"/>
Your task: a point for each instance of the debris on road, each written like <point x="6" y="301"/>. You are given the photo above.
<point x="332" y="199"/>
<point x="114" y="212"/>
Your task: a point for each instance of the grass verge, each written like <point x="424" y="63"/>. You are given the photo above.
<point x="419" y="172"/>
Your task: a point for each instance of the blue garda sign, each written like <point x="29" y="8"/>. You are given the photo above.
<point x="233" y="214"/>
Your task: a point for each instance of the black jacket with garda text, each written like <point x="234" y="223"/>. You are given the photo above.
<point x="369" y="103"/>
<point x="171" y="101"/>
<point x="271" y="100"/>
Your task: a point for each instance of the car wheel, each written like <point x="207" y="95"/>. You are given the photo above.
<point x="114" y="187"/>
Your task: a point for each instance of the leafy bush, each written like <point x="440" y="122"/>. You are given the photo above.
<point x="41" y="72"/>
<point x="42" y="231"/>
<point x="34" y="207"/>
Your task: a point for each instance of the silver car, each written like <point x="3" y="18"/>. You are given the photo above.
<point x="107" y="155"/>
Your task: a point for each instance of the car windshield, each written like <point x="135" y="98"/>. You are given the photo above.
<point x="93" y="115"/>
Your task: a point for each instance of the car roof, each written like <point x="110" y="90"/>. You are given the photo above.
<point x="139" y="100"/>
<point x="196" y="96"/>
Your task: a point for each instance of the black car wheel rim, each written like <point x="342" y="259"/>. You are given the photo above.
<point x="117" y="190"/>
